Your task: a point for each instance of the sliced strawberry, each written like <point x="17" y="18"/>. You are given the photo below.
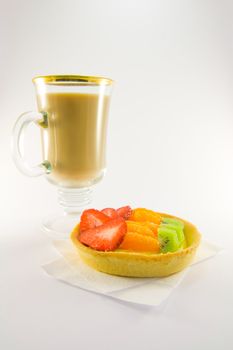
<point x="124" y="212"/>
<point x="110" y="212"/>
<point x="105" y="237"/>
<point x="92" y="218"/>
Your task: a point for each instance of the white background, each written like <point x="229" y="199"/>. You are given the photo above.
<point x="170" y="148"/>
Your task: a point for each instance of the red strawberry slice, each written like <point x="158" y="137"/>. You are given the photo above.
<point x="124" y="212"/>
<point x="92" y="218"/>
<point x="105" y="237"/>
<point x="110" y="212"/>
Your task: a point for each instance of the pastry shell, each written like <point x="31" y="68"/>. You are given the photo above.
<point x="140" y="264"/>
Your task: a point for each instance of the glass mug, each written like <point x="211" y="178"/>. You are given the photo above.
<point x="72" y="117"/>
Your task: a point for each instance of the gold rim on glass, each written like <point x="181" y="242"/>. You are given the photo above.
<point x="72" y="79"/>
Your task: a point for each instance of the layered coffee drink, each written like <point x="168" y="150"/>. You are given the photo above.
<point x="72" y="116"/>
<point x="74" y="136"/>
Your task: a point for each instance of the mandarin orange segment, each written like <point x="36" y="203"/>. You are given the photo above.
<point x="139" y="243"/>
<point x="142" y="214"/>
<point x="133" y="226"/>
<point x="150" y="225"/>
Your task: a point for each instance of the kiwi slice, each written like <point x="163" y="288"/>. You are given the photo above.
<point x="179" y="232"/>
<point x="174" y="222"/>
<point x="168" y="239"/>
<point x="175" y="225"/>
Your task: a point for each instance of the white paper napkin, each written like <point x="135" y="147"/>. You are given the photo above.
<point x="148" y="291"/>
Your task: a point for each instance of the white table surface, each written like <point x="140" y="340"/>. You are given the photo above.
<point x="38" y="312"/>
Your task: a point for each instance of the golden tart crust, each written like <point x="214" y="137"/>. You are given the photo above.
<point x="138" y="264"/>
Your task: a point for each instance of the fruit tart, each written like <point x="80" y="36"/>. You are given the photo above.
<point x="135" y="242"/>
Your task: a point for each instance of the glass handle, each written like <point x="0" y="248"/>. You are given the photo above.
<point x="19" y="131"/>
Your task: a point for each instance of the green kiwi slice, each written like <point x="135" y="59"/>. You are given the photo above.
<point x="179" y="232"/>
<point x="175" y="225"/>
<point x="174" y="222"/>
<point x="168" y="239"/>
